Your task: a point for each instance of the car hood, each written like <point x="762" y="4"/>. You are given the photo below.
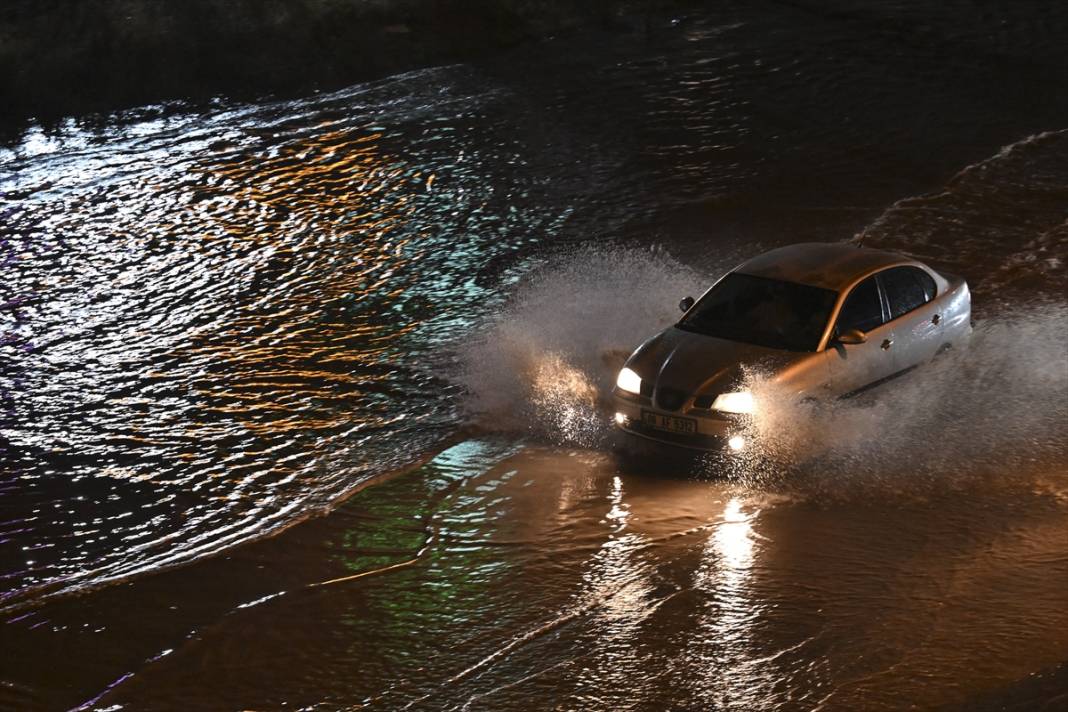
<point x="695" y="363"/>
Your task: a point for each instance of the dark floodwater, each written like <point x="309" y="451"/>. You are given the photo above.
<point x="401" y="305"/>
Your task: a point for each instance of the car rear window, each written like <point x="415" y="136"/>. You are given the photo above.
<point x="762" y="311"/>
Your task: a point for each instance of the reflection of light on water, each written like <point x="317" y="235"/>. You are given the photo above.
<point x="726" y="664"/>
<point x="234" y="305"/>
<point x="613" y="577"/>
<point x="620" y="512"/>
<point x="732" y="541"/>
<point x="618" y="586"/>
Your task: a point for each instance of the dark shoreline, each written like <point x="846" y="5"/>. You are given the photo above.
<point x="61" y="58"/>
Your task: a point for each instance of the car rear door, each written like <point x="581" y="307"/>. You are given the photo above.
<point x="914" y="316"/>
<point x="854" y="367"/>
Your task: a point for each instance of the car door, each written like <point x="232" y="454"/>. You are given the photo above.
<point x="854" y="367"/>
<point x="917" y="325"/>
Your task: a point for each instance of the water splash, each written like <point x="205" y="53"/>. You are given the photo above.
<point x="547" y="362"/>
<point x="996" y="405"/>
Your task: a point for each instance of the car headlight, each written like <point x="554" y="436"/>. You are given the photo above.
<point x="629" y="381"/>
<point x="741" y="402"/>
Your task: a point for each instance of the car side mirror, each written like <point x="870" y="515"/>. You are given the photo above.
<point x="852" y="336"/>
<point x="686" y="303"/>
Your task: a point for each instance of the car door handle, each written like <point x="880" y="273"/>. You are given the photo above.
<point x="887" y="343"/>
<point x="936" y="318"/>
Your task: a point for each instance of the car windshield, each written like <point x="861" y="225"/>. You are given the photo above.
<point x="761" y="311"/>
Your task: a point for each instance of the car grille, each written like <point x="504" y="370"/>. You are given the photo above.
<point x="670" y="398"/>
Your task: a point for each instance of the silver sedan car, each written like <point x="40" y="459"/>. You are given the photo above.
<point x="818" y="320"/>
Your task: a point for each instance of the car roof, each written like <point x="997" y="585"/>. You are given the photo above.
<point x="830" y="265"/>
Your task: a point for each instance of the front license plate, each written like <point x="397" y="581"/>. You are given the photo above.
<point x="669" y="423"/>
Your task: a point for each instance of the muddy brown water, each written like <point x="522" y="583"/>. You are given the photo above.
<point x="302" y="403"/>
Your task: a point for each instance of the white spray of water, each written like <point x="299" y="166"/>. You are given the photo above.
<point x="546" y="365"/>
<point x="998" y="403"/>
<point x="547" y="362"/>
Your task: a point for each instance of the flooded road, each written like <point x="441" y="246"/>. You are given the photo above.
<point x="500" y="573"/>
<point x="400" y="306"/>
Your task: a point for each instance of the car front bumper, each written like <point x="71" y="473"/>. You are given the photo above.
<point x="709" y="432"/>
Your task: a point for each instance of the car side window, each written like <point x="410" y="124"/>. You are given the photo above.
<point x="862" y="309"/>
<point x="907" y="288"/>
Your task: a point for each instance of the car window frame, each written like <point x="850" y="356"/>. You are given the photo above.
<point x="933" y="281"/>
<point x="887" y="310"/>
<point x="884" y="305"/>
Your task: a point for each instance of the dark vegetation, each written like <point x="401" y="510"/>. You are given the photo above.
<point x="63" y="57"/>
